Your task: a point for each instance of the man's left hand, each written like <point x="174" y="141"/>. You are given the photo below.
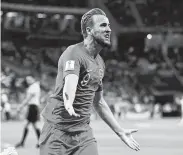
<point x="126" y="137"/>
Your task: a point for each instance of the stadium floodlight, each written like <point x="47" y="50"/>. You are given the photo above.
<point x="149" y="36"/>
<point x="41" y="15"/>
<point x="11" y="14"/>
<point x="56" y="16"/>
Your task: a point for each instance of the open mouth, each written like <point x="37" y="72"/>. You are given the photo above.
<point x="107" y="36"/>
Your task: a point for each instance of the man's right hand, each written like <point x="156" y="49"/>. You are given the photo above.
<point x="70" y="110"/>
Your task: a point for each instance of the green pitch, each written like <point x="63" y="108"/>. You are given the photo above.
<point x="156" y="137"/>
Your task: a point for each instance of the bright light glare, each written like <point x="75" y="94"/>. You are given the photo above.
<point x="11" y="14"/>
<point x="149" y="36"/>
<point x="56" y="16"/>
<point x="41" y="15"/>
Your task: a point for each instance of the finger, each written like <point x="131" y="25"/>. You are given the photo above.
<point x="69" y="110"/>
<point x="135" y="142"/>
<point x="72" y="113"/>
<point x="133" y="130"/>
<point x="136" y="146"/>
<point x="132" y="146"/>
<point x="75" y="114"/>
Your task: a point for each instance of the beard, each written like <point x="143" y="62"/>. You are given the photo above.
<point x="101" y="42"/>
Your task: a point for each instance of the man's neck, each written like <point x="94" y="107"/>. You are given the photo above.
<point x="92" y="47"/>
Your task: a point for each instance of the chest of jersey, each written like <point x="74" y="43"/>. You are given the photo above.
<point x="91" y="74"/>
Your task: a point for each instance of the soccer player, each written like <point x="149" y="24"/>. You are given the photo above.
<point x="66" y="130"/>
<point x="6" y="106"/>
<point x="32" y="100"/>
<point x="181" y="105"/>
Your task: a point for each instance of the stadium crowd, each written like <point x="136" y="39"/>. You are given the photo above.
<point x="131" y="79"/>
<point x="65" y="3"/>
<point x="132" y="76"/>
<point x="152" y="12"/>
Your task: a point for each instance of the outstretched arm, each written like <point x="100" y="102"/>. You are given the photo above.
<point x="105" y="113"/>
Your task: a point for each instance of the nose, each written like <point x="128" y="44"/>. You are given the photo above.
<point x="108" y="29"/>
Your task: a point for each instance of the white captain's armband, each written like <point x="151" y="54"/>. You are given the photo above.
<point x="69" y="65"/>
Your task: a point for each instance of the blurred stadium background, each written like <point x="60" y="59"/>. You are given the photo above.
<point x="144" y="66"/>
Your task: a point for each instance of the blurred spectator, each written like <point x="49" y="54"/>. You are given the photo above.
<point x="180" y="102"/>
<point x="121" y="107"/>
<point x="161" y="13"/>
<point x="6" y="107"/>
<point x="121" y="10"/>
<point x="64" y="3"/>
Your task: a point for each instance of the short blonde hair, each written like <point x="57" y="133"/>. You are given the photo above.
<point x="86" y="19"/>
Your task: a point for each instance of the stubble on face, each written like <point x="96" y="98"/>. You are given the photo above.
<point x="101" y="30"/>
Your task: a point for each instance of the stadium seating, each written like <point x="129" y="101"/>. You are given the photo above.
<point x="152" y="12"/>
<point x="161" y="13"/>
<point x="63" y="3"/>
<point x="36" y="40"/>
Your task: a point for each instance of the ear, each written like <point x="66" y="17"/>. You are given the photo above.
<point x="88" y="30"/>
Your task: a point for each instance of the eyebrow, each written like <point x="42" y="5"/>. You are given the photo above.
<point x="104" y="24"/>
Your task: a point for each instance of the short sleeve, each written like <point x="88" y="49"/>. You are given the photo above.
<point x="30" y="90"/>
<point x="71" y="63"/>
<point x="33" y="89"/>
